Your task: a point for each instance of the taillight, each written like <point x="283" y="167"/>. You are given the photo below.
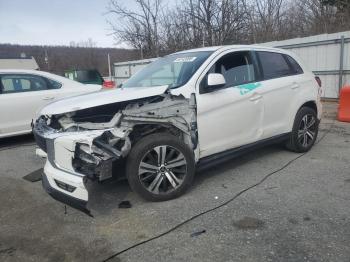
<point x="108" y="84"/>
<point x="318" y="80"/>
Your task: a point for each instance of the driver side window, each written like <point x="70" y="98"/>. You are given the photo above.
<point x="237" y="69"/>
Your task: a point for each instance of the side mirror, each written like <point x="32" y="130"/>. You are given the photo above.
<point x="216" y="80"/>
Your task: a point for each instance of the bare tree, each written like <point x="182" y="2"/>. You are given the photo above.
<point x="266" y="19"/>
<point x="139" y="28"/>
<point x="204" y="22"/>
<point x="155" y="29"/>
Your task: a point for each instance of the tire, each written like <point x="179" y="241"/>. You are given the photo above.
<point x="305" y="127"/>
<point x="156" y="176"/>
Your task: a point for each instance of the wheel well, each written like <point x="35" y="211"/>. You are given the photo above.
<point x="142" y="130"/>
<point x="310" y="104"/>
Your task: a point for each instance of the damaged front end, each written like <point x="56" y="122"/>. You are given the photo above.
<point x="86" y="145"/>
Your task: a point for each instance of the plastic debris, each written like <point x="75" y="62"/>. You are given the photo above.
<point x="197" y="233"/>
<point x="125" y="204"/>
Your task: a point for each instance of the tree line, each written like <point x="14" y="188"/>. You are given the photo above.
<point x="156" y="27"/>
<point x="58" y="59"/>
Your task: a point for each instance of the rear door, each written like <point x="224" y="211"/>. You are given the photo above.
<point x="278" y="88"/>
<point x="21" y="95"/>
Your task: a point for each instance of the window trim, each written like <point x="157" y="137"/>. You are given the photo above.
<point x="286" y="57"/>
<point x="2" y="74"/>
<point x="203" y="90"/>
<point x="263" y="78"/>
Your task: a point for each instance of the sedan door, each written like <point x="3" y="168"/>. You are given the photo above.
<point x="231" y="116"/>
<point x="21" y="95"/>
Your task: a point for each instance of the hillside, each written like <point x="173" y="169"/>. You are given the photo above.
<point x="63" y="58"/>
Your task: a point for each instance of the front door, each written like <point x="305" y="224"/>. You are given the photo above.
<point x="231" y="116"/>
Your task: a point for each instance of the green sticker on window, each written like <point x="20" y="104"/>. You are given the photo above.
<point x="246" y="88"/>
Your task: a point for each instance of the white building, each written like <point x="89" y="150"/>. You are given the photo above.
<point x="124" y="70"/>
<point x="18" y="63"/>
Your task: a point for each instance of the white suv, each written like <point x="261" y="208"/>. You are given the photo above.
<point x="191" y="108"/>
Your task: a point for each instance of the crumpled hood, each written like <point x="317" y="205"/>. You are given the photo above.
<point x="99" y="98"/>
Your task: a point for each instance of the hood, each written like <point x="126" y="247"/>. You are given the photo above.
<point x="99" y="98"/>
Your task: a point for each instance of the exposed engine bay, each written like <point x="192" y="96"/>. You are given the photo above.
<point x="92" y="140"/>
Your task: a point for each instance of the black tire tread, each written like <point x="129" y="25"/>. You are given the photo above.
<point x="292" y="143"/>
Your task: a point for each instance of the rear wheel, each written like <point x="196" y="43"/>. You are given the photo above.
<point x="160" y="167"/>
<point x="305" y="130"/>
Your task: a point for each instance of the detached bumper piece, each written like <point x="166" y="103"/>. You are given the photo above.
<point x="68" y="200"/>
<point x="66" y="188"/>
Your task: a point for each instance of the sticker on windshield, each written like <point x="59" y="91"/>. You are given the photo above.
<point x="185" y="59"/>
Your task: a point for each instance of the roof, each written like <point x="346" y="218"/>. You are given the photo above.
<point x="227" y="47"/>
<point x="18" y="63"/>
<point x="206" y="49"/>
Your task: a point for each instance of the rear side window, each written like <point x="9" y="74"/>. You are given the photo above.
<point x="12" y="83"/>
<point x="296" y="68"/>
<point x="53" y="84"/>
<point x="274" y="65"/>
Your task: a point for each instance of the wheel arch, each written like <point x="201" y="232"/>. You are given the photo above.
<point x="143" y="129"/>
<point x="310" y="104"/>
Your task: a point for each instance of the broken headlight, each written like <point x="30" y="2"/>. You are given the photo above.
<point x="92" y="162"/>
<point x="83" y="152"/>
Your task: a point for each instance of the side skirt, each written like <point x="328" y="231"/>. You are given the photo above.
<point x="222" y="157"/>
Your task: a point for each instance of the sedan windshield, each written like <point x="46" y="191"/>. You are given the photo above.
<point x="173" y="70"/>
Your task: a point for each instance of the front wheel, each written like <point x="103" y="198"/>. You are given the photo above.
<point x="160" y="167"/>
<point x="305" y="130"/>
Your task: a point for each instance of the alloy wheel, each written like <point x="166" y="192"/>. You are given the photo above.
<point x="162" y="169"/>
<point x="307" y="130"/>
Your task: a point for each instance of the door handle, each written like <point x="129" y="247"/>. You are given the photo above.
<point x="295" y="86"/>
<point x="48" y="98"/>
<point x="255" y="97"/>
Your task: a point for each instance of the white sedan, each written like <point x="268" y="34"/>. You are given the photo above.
<point x="24" y="92"/>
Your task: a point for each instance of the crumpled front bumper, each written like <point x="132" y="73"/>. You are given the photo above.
<point x="77" y="199"/>
<point x="65" y="183"/>
<point x="60" y="179"/>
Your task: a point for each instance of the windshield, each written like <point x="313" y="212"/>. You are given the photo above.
<point x="172" y="70"/>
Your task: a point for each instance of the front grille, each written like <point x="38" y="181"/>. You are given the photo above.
<point x="40" y="131"/>
<point x="40" y="140"/>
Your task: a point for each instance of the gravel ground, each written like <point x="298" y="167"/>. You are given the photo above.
<point x="301" y="213"/>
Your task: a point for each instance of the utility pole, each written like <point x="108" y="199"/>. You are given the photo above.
<point x="47" y="60"/>
<point x="141" y="51"/>
<point x="109" y="67"/>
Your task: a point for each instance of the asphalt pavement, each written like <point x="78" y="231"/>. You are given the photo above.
<point x="281" y="206"/>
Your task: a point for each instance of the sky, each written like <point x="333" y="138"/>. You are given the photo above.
<point x="55" y="22"/>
